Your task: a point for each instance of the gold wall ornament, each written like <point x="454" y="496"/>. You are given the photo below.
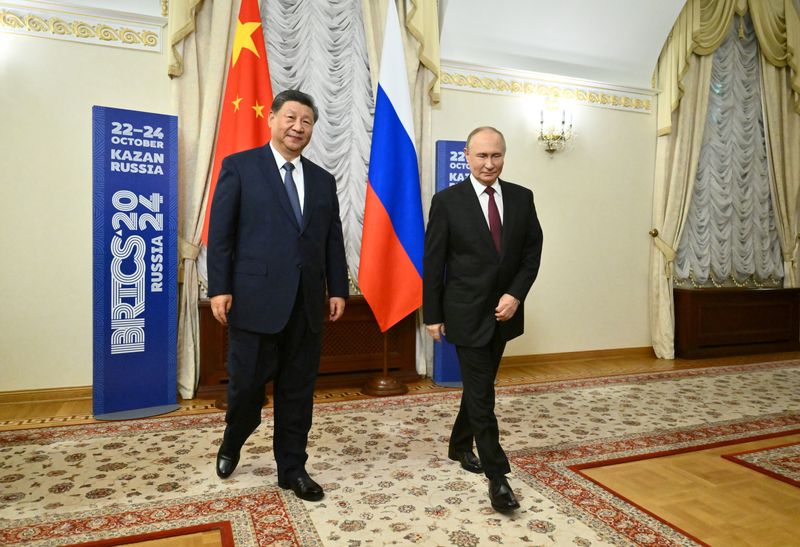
<point x="511" y="82"/>
<point x="83" y="30"/>
<point x="106" y="33"/>
<point x="57" y="26"/>
<point x="36" y="24"/>
<point x="84" y="24"/>
<point x="11" y="20"/>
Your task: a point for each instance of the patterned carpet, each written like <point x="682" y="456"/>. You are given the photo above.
<point x="384" y="468"/>
<point x="780" y="462"/>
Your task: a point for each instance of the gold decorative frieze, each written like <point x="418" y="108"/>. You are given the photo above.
<point x="85" y="25"/>
<point x="482" y="80"/>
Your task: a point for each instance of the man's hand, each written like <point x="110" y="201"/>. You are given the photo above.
<point x="436" y="331"/>
<point x="506" y="308"/>
<point x="337" y="307"/>
<point x="220" y="306"/>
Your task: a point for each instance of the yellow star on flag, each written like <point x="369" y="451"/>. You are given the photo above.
<point x="258" y="108"/>
<point x="236" y="102"/>
<point x="244" y="39"/>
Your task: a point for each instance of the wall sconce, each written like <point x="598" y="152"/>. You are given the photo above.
<point x="552" y="135"/>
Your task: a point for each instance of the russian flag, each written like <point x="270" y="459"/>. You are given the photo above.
<point x="390" y="270"/>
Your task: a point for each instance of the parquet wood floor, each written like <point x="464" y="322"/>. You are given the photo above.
<point x="725" y="506"/>
<point x="714" y="499"/>
<point x="199" y="539"/>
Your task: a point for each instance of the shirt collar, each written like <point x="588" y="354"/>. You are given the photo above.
<point x="480" y="188"/>
<point x="281" y="161"/>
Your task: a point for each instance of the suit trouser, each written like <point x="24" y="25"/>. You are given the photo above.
<point x="476" y="419"/>
<point x="290" y="359"/>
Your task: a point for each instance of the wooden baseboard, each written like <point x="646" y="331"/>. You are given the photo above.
<point x="81" y="393"/>
<point x="616" y="353"/>
<point x="52" y="395"/>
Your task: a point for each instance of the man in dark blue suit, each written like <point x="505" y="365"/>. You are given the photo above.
<point x="483" y="245"/>
<point x="274" y="245"/>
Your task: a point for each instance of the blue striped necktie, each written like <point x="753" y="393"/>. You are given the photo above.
<point x="291" y="190"/>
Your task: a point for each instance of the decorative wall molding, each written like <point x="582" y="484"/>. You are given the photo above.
<point x="83" y="24"/>
<point x="493" y="81"/>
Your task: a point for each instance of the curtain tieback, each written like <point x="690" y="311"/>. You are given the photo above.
<point x="668" y="252"/>
<point x="187" y="250"/>
<point x="788" y="256"/>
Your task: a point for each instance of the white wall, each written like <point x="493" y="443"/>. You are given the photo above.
<point x="593" y="200"/>
<point x="47" y="89"/>
<point x="594" y="203"/>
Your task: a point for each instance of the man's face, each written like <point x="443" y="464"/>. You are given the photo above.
<point x="291" y="127"/>
<point x="485" y="155"/>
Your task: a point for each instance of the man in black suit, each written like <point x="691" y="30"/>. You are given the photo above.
<point x="483" y="246"/>
<point x="274" y="244"/>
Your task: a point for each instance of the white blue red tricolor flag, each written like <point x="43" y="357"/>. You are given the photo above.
<point x="390" y="271"/>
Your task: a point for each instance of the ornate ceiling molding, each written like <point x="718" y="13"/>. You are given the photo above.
<point x="83" y="24"/>
<point x="494" y="81"/>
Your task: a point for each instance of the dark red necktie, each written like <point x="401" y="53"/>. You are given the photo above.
<point x="495" y="226"/>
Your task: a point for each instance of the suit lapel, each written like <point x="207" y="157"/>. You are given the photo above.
<point x="477" y="218"/>
<point x="309" y="193"/>
<point x="272" y="176"/>
<point x="509" y="210"/>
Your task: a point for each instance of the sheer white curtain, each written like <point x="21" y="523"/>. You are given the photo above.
<point x="730" y="238"/>
<point x="321" y="49"/>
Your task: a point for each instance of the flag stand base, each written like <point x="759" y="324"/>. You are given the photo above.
<point x="381" y="386"/>
<point x="384" y="385"/>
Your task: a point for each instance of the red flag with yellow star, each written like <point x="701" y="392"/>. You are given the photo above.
<point x="248" y="96"/>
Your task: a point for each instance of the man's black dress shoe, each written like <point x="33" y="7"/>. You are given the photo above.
<point x="503" y="500"/>
<point x="226" y="463"/>
<point x="468" y="461"/>
<point x="303" y="487"/>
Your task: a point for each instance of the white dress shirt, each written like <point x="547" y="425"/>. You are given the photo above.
<point x="483" y="197"/>
<point x="297" y="174"/>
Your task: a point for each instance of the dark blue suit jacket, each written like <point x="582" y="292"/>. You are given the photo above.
<point x="258" y="253"/>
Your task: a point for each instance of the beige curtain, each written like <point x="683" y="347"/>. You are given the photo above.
<point x="421" y="45"/>
<point x="699" y="30"/>
<point x="677" y="155"/>
<point x="197" y="94"/>
<point x="702" y="26"/>
<point x="783" y="137"/>
<point x="420" y="41"/>
<point x="181" y="24"/>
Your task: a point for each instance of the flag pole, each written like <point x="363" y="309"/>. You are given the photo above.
<point x="385" y="385"/>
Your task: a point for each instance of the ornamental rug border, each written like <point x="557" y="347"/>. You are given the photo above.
<point x="45" y="435"/>
<point x="257" y="516"/>
<point x="779" y="462"/>
<point x="558" y="471"/>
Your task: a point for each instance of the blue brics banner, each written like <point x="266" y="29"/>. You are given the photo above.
<point x="135" y="217"/>
<point x="451" y="168"/>
<point x="451" y="165"/>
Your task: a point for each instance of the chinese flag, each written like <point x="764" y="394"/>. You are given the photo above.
<point x="248" y="96"/>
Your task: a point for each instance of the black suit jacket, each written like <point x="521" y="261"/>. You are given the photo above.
<point x="464" y="276"/>
<point x="258" y="253"/>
